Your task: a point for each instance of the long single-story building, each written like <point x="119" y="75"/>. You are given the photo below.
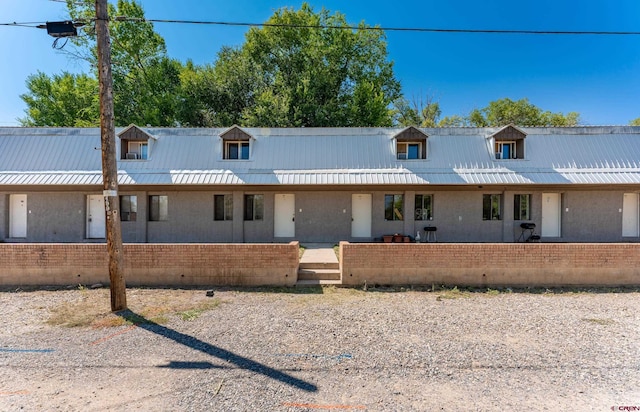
<point x="241" y="185"/>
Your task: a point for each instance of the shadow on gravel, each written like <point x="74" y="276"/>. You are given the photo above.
<point x="209" y="349"/>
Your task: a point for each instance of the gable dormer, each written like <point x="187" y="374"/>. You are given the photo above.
<point x="411" y="144"/>
<point x="134" y="143"/>
<point x="508" y="143"/>
<point x="236" y="144"/>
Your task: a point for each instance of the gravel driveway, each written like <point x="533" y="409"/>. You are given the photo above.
<point x="331" y="349"/>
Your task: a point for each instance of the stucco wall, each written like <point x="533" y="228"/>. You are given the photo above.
<point x="586" y="215"/>
<point x="151" y="264"/>
<point x="490" y="264"/>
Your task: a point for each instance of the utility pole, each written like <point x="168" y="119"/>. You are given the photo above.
<point x="109" y="165"/>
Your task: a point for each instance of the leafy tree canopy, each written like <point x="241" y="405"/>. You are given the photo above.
<point x="520" y="112"/>
<point x="61" y="100"/>
<point x="308" y="76"/>
<point x="635" y="122"/>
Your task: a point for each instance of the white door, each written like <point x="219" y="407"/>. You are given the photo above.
<point x="550" y="215"/>
<point x="630" y="215"/>
<point x="284" y="224"/>
<point x="17" y="216"/>
<point x="96" y="224"/>
<point x="361" y="215"/>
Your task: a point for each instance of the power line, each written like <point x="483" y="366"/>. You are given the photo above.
<point x="363" y="27"/>
<point x="380" y="28"/>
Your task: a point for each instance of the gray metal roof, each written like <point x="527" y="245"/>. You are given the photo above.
<point x="325" y="156"/>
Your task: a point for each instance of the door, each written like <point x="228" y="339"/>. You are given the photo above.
<point x="550" y="215"/>
<point x="17" y="216"/>
<point x="284" y="224"/>
<point x="361" y="215"/>
<point x="96" y="224"/>
<point x="630" y="215"/>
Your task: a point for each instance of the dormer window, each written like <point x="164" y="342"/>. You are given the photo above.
<point x="508" y="143"/>
<point x="236" y="144"/>
<point x="506" y="150"/>
<point x="409" y="150"/>
<point x="134" y="143"/>
<point x="236" y="150"/>
<point x="137" y="150"/>
<point x="411" y="144"/>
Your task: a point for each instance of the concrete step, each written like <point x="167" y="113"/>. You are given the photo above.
<point x="319" y="265"/>
<point x="316" y="282"/>
<point x="318" y="274"/>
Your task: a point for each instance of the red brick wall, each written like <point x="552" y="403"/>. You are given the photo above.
<point x="491" y="264"/>
<point x="151" y="264"/>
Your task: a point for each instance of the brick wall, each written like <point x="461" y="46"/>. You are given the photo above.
<point x="491" y="264"/>
<point x="151" y="264"/>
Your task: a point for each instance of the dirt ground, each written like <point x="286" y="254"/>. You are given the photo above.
<point x="320" y="349"/>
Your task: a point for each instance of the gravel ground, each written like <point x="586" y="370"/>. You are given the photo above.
<point x="331" y="349"/>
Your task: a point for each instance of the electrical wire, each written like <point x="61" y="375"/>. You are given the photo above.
<point x="363" y="27"/>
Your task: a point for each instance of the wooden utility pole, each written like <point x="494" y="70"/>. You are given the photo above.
<point x="109" y="165"/>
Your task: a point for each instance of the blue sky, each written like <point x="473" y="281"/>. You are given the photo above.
<point x="597" y="76"/>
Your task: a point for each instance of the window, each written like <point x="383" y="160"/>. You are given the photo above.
<point x="236" y="150"/>
<point x="423" y="207"/>
<point x="491" y="207"/>
<point x="393" y="207"/>
<point x="137" y="150"/>
<point x="158" y="208"/>
<point x="409" y="150"/>
<point x="222" y="207"/>
<point x="521" y="207"/>
<point x="253" y="207"/>
<point x="506" y="150"/>
<point x="128" y="208"/>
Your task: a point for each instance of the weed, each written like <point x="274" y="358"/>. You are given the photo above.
<point x="90" y="308"/>
<point x="454" y="293"/>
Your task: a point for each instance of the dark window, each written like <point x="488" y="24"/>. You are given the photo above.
<point x="222" y="207"/>
<point x="393" y="207"/>
<point x="128" y="208"/>
<point x="253" y="207"/>
<point x="236" y="150"/>
<point x="158" y="208"/>
<point x="491" y="207"/>
<point x="424" y="207"/>
<point x="521" y="207"/>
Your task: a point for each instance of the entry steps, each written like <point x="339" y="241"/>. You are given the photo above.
<point x="319" y="266"/>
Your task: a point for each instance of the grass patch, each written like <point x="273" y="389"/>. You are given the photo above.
<point x="193" y="314"/>
<point x="454" y="293"/>
<point x="91" y="308"/>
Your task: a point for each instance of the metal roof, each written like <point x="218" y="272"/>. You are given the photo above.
<point x="325" y="156"/>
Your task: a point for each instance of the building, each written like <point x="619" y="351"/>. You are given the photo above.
<point x="240" y="185"/>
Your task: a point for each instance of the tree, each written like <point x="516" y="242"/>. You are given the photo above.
<point x="312" y="76"/>
<point x="635" y="122"/>
<point x="219" y="95"/>
<point x="420" y="112"/>
<point x="453" y="121"/>
<point x="61" y="100"/>
<point x="146" y="82"/>
<point x="522" y="113"/>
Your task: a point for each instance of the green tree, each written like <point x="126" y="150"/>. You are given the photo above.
<point x="520" y="112"/>
<point x="61" y="100"/>
<point x="453" y="121"/>
<point x="219" y="95"/>
<point x="635" y="122"/>
<point x="420" y="112"/>
<point x="311" y="76"/>
<point x="146" y="83"/>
